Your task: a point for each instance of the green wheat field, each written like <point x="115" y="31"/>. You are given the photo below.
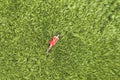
<point x="88" y="47"/>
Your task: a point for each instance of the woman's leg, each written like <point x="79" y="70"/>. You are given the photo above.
<point x="49" y="48"/>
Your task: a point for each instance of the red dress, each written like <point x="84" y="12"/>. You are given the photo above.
<point x="54" y="40"/>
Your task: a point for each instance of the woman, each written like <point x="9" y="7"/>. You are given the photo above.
<point x="53" y="42"/>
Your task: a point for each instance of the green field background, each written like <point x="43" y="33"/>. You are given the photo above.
<point x="88" y="48"/>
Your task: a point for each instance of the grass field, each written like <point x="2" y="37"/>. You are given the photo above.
<point x="88" y="48"/>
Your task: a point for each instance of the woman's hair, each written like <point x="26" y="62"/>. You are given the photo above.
<point x="58" y="33"/>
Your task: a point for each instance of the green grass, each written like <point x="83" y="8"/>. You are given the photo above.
<point x="88" y="48"/>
